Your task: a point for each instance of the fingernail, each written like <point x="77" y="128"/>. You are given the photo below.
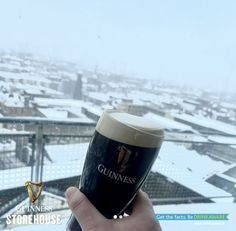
<point x="70" y="191"/>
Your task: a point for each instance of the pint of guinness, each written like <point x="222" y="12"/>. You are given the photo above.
<point x="119" y="158"/>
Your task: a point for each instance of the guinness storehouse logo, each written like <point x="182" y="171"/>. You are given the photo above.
<point x="34" y="190"/>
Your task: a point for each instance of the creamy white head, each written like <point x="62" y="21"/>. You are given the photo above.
<point x="130" y="129"/>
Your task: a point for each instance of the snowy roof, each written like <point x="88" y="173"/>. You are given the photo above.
<point x="168" y="124"/>
<point x="147" y="96"/>
<point x="104" y="97"/>
<point x="94" y="109"/>
<point x="34" y="89"/>
<point x="195" y="102"/>
<point x="167" y="90"/>
<point x="228" y="105"/>
<point x="185" y="137"/>
<point x="54" y="113"/>
<point x="227" y="177"/>
<point x="59" y="102"/>
<point x="179" y="156"/>
<point x="12" y="57"/>
<point x="223" y="139"/>
<point x="182" y="166"/>
<point x="208" y="123"/>
<point x="15" y="67"/>
<point x="4" y="84"/>
<point x="10" y="66"/>
<point x="76" y="111"/>
<point x="62" y="113"/>
<point x="189" y="107"/>
<point x="12" y="100"/>
<point x="24" y="76"/>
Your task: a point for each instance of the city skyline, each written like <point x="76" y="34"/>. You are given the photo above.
<point x="188" y="43"/>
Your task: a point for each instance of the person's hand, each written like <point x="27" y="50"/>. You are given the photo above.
<point x="90" y="219"/>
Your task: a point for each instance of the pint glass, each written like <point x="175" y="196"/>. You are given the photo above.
<point x="119" y="158"/>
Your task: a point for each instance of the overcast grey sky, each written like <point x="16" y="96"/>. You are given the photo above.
<point x="192" y="42"/>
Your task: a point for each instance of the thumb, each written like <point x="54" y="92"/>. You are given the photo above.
<point x="86" y="214"/>
<point x="142" y="205"/>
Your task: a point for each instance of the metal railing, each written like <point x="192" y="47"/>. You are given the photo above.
<point x="52" y="151"/>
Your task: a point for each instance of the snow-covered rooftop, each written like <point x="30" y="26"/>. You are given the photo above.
<point x="228" y="105"/>
<point x="12" y="100"/>
<point x="62" y="113"/>
<point x="36" y="90"/>
<point x="24" y="76"/>
<point x="168" y="124"/>
<point x="94" y="109"/>
<point x="76" y="111"/>
<point x="208" y="123"/>
<point x="189" y="169"/>
<point x="54" y="113"/>
<point x="185" y="137"/>
<point x="59" y="102"/>
<point x="223" y="139"/>
<point x="10" y="66"/>
<point x="104" y="97"/>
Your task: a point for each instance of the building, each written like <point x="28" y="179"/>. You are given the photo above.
<point x="78" y="87"/>
<point x="206" y="125"/>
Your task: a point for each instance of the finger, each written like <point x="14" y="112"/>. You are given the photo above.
<point x="142" y="204"/>
<point x="87" y="215"/>
<point x="142" y="217"/>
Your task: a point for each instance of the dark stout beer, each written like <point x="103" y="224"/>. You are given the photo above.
<point x="119" y="158"/>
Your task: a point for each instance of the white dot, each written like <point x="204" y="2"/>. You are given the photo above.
<point x="120" y="216"/>
<point x="115" y="216"/>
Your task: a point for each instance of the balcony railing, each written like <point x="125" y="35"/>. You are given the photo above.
<point x="190" y="168"/>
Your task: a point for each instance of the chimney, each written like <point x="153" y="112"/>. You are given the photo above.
<point x="78" y="87"/>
